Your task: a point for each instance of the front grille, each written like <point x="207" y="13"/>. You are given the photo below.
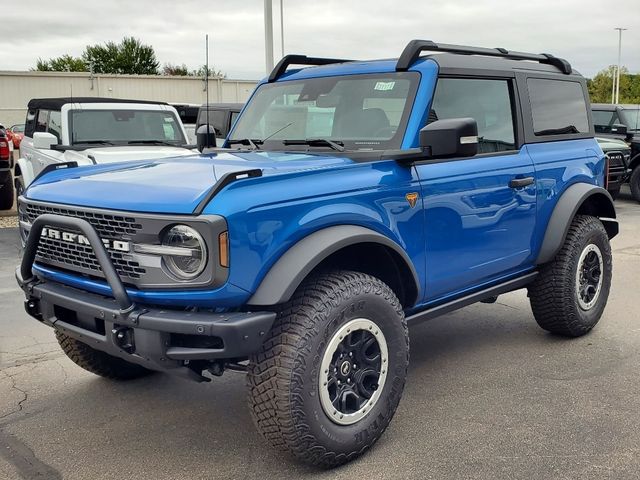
<point x="616" y="159"/>
<point x="79" y="257"/>
<point x="108" y="226"/>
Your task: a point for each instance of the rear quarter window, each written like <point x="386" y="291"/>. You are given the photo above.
<point x="558" y="107"/>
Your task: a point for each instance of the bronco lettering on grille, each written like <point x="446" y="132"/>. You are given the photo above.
<point x="80" y="239"/>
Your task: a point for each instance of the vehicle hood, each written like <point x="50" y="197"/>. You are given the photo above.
<point x="612" y="144"/>
<point x="174" y="185"/>
<point x="98" y="155"/>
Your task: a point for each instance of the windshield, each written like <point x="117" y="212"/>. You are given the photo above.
<point x="357" y="111"/>
<point x="125" y="127"/>
<point x="631" y="118"/>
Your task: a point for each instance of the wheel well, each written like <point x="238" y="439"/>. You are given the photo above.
<point x="379" y="261"/>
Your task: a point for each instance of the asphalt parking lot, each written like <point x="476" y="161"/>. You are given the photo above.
<point x="489" y="395"/>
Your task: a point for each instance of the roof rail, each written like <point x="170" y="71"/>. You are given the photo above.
<point x="287" y="60"/>
<point x="412" y="51"/>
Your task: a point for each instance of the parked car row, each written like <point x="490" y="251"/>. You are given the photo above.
<point x="618" y="129"/>
<point x="88" y="131"/>
<point x="349" y="201"/>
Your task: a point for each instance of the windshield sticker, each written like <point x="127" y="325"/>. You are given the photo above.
<point x="384" y="86"/>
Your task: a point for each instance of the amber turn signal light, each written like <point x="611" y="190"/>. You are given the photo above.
<point x="223" y="249"/>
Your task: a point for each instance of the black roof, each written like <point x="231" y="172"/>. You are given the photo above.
<point x="57" y="103"/>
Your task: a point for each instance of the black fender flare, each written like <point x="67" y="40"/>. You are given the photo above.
<point x="284" y="277"/>
<point x="566" y="209"/>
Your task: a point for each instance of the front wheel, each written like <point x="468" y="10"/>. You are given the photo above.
<point x="329" y="377"/>
<point x="570" y="293"/>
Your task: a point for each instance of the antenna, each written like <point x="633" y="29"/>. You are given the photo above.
<point x="206" y="71"/>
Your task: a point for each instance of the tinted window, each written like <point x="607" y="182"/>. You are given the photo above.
<point x="30" y="123"/>
<point x="487" y="101"/>
<point x="558" y="107"/>
<point x="55" y="124"/>
<point x="42" y="121"/>
<point x="631" y="118"/>
<point x="216" y="120"/>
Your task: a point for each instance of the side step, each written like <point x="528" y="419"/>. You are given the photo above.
<point x="485" y="294"/>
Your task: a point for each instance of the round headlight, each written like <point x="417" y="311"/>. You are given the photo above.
<point x="189" y="258"/>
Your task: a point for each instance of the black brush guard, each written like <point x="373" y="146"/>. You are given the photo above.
<point x="156" y="338"/>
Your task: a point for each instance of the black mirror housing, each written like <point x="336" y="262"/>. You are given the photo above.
<point x="619" y="129"/>
<point x="455" y="137"/>
<point x="205" y="137"/>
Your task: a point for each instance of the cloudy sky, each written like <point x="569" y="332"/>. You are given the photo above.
<point x="579" y="30"/>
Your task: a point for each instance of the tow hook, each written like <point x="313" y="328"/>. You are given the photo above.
<point x="32" y="307"/>
<point x="123" y="338"/>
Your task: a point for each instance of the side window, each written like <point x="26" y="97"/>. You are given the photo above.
<point x="30" y="123"/>
<point x="217" y="117"/>
<point x="55" y="124"/>
<point x="486" y="101"/>
<point x="603" y="120"/>
<point x="558" y="107"/>
<point x="234" y="115"/>
<point x="42" y="121"/>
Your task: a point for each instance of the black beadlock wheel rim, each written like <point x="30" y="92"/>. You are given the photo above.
<point x="353" y="371"/>
<point x="589" y="277"/>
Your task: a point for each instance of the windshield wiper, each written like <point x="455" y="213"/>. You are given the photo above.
<point x="317" y="142"/>
<point x="151" y="142"/>
<point x="93" y="142"/>
<point x="253" y="143"/>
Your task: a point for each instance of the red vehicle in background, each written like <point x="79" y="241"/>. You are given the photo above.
<point x="16" y="134"/>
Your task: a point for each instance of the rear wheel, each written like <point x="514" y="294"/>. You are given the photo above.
<point x="634" y="183"/>
<point x="6" y="191"/>
<point x="98" y="362"/>
<point x="329" y="377"/>
<point x="570" y="293"/>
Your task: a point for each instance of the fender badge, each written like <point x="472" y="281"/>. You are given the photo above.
<point x="412" y="198"/>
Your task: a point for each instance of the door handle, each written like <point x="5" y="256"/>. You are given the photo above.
<point x="520" y="182"/>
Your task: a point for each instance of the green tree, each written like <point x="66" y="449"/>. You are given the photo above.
<point x="64" y="63"/>
<point x="213" y="73"/>
<point x="176" y="70"/>
<point x="130" y="56"/>
<point x="601" y="85"/>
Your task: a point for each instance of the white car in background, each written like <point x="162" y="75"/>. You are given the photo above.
<point x="91" y="131"/>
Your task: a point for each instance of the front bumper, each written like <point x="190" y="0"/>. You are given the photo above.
<point x="156" y="338"/>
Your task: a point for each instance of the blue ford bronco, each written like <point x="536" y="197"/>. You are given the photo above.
<point x="351" y="200"/>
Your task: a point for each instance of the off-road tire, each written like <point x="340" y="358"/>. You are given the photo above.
<point x="6" y="191"/>
<point x="19" y="185"/>
<point x="553" y="295"/>
<point x="283" y="377"/>
<point x="99" y="362"/>
<point x="634" y="183"/>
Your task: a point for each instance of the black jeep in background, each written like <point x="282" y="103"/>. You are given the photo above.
<point x="622" y="122"/>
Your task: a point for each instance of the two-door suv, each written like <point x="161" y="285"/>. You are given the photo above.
<point x="353" y="199"/>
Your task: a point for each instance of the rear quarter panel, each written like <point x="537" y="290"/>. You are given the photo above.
<point x="559" y="165"/>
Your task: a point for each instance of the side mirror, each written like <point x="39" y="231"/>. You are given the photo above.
<point x="205" y="137"/>
<point x="44" y="140"/>
<point x="619" y="129"/>
<point x="455" y="137"/>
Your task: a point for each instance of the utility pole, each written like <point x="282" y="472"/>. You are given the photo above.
<point x="282" y="26"/>
<point x="268" y="35"/>
<point x="617" y="81"/>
